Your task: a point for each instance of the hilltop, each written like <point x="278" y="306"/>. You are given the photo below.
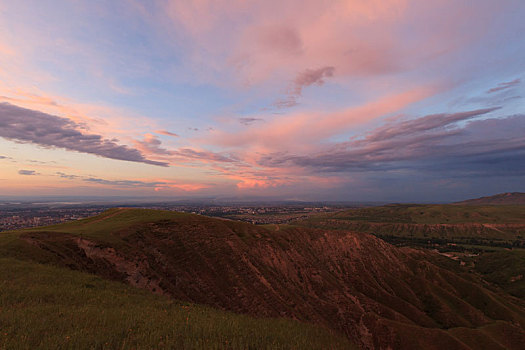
<point x="509" y="198"/>
<point x="376" y="294"/>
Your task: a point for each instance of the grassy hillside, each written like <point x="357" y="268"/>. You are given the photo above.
<point x="45" y="306"/>
<point x="435" y="214"/>
<point x="48" y="307"/>
<point x="117" y="219"/>
<point x="486" y="230"/>
<point x="446" y="227"/>
<point x="376" y="294"/>
<point x="509" y="198"/>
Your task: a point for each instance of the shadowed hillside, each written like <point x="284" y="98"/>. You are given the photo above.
<point x="376" y="294"/>
<point x="482" y="237"/>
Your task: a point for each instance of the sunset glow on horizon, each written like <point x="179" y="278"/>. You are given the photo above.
<point x="392" y="100"/>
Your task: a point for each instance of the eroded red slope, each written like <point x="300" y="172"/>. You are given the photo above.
<point x="380" y="296"/>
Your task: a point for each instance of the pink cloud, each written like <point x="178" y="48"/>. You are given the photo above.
<point x="270" y="43"/>
<point x="167" y="133"/>
<point x="187" y="187"/>
<point x="305" y="130"/>
<point x="152" y="146"/>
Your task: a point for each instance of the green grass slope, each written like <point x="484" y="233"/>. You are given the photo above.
<point x="508" y="198"/>
<point x="46" y="307"/>
<point x="487" y="230"/>
<point x="97" y="227"/>
<point x="496" y="226"/>
<point x="435" y="214"/>
<point x="352" y="283"/>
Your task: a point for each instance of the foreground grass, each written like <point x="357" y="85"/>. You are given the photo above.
<point x="45" y="307"/>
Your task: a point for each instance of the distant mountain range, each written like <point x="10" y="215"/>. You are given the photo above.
<point x="509" y="198"/>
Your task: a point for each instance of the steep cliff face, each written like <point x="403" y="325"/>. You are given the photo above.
<point x="378" y="295"/>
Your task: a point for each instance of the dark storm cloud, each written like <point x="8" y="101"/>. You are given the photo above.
<point x="432" y="143"/>
<point x="30" y="126"/>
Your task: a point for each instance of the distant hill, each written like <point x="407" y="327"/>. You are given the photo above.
<point x="376" y="294"/>
<point x="509" y="198"/>
<point x="462" y="229"/>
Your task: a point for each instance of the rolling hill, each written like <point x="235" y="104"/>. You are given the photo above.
<point x="479" y="236"/>
<point x="376" y="294"/>
<point x="502" y="226"/>
<point x="509" y="198"/>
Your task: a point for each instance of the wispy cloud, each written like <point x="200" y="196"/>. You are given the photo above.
<point x="167" y="133"/>
<point x="27" y="172"/>
<point x="158" y="185"/>
<point x="504" y="86"/>
<point x="306" y="129"/>
<point x="422" y="124"/>
<point x="30" y="126"/>
<point x="304" y="79"/>
<point x="153" y="146"/>
<point x="249" y="121"/>
<point x="123" y="183"/>
<point x="67" y="176"/>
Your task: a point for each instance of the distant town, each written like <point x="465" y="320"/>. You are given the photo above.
<point x="14" y="216"/>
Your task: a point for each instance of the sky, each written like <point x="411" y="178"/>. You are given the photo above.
<point x="376" y="100"/>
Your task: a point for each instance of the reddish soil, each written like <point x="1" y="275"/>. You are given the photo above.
<point x="378" y="295"/>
